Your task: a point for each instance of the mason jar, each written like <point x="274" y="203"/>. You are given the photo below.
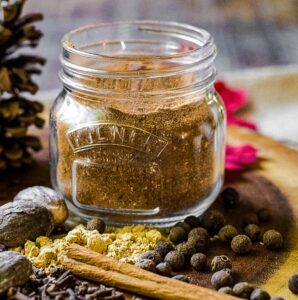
<point x="137" y="135"/>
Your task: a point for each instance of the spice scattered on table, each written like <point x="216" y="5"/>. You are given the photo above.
<point x="273" y="239"/>
<point x="241" y="244"/>
<point x="293" y="283"/>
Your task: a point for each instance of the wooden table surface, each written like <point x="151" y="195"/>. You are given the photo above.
<point x="248" y="33"/>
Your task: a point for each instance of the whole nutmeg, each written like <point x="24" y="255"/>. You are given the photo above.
<point x="48" y="198"/>
<point x="222" y="278"/>
<point x="253" y="231"/>
<point x="293" y="283"/>
<point x="213" y="220"/>
<point x="96" y="224"/>
<point x="164" y="269"/>
<point x="177" y="235"/>
<point x="243" y="289"/>
<point x="220" y="262"/>
<point x="259" y="294"/>
<point x="198" y="261"/>
<point x="175" y="259"/>
<point x="273" y="239"/>
<point x="192" y="221"/>
<point x="146" y="264"/>
<point x="241" y="244"/>
<point x="163" y="248"/>
<point x="227" y="233"/>
<point x="152" y="255"/>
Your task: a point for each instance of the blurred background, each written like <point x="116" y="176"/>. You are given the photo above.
<point x="248" y="33"/>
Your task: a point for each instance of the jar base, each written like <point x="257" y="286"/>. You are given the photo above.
<point x="118" y="220"/>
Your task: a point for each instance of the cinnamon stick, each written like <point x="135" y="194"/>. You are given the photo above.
<point x="97" y="267"/>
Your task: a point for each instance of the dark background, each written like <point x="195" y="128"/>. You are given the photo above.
<point x="248" y="33"/>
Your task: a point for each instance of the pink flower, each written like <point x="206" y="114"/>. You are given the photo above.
<point x="233" y="100"/>
<point x="239" y="156"/>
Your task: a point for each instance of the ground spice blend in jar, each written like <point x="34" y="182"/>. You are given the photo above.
<point x="137" y="134"/>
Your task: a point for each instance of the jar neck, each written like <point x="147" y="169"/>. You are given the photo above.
<point x="143" y="57"/>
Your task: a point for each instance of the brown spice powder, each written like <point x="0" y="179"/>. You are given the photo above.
<point x="120" y="157"/>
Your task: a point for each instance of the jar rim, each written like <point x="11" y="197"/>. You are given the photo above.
<point x="193" y="48"/>
<point x="203" y="37"/>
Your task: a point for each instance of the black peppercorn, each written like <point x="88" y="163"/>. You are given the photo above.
<point x="241" y="244"/>
<point x="164" y="269"/>
<point x="146" y="264"/>
<point x="230" y="197"/>
<point x="175" y="259"/>
<point x="192" y="221"/>
<point x="220" y="262"/>
<point x="226" y="290"/>
<point x="96" y="224"/>
<point x="177" y="235"/>
<point x="250" y="218"/>
<point x="213" y="220"/>
<point x="163" y="248"/>
<point x="273" y="239"/>
<point x="259" y="294"/>
<point x="253" y="232"/>
<point x="198" y="261"/>
<point x="263" y="215"/>
<point x="181" y="277"/>
<point x="293" y="284"/>
<point x="222" y="278"/>
<point x="186" y="248"/>
<point x="227" y="233"/>
<point x="184" y="225"/>
<point x="152" y="255"/>
<point x="243" y="289"/>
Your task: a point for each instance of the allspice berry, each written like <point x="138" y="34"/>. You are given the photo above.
<point x="222" y="278"/>
<point x="184" y="225"/>
<point x="220" y="262"/>
<point x="199" y="243"/>
<point x="175" y="259"/>
<point x="192" y="221"/>
<point x="226" y="290"/>
<point x="198" y="261"/>
<point x="227" y="233"/>
<point x="243" y="289"/>
<point x="186" y="248"/>
<point x="241" y="244"/>
<point x="96" y="224"/>
<point x="250" y="218"/>
<point x="293" y="284"/>
<point x="164" y="269"/>
<point x="177" y="235"/>
<point x="253" y="231"/>
<point x="152" y="255"/>
<point x="198" y="232"/>
<point x="181" y="277"/>
<point x="258" y="294"/>
<point x="146" y="264"/>
<point x="213" y="220"/>
<point x="273" y="239"/>
<point x="163" y="248"/>
<point x="230" y="197"/>
<point x="263" y="215"/>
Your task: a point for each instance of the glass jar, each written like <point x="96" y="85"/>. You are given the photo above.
<point x="138" y="132"/>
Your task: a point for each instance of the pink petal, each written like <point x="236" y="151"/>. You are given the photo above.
<point x="232" y="120"/>
<point x="238" y="157"/>
<point x="232" y="98"/>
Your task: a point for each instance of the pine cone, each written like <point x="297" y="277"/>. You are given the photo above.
<point x="16" y="112"/>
